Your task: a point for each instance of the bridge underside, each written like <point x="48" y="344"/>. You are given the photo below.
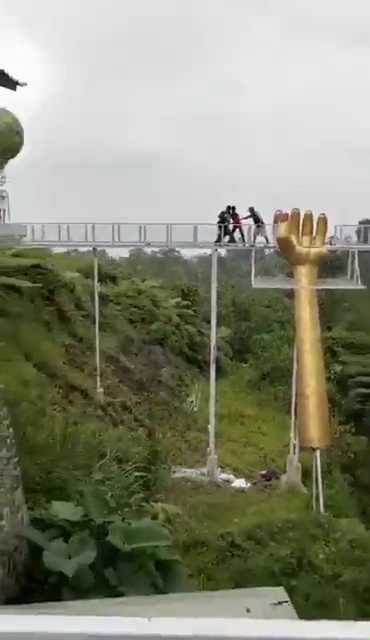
<point x="281" y="282"/>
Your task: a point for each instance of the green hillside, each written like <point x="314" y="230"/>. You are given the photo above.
<point x="154" y="341"/>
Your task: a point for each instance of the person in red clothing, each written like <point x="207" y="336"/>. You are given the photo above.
<point x="237" y="225"/>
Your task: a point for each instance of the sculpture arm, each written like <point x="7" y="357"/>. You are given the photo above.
<point x="311" y="379"/>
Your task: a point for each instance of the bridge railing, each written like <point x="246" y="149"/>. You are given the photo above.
<point x="174" y="235"/>
<point x="116" y="234"/>
<point x="122" y="234"/>
<point x="352" y="234"/>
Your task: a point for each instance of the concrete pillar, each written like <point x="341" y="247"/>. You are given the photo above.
<point x="293" y="475"/>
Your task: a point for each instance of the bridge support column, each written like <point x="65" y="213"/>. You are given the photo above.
<point x="99" y="388"/>
<point x="212" y="466"/>
<point x="293" y="475"/>
<point x="212" y="461"/>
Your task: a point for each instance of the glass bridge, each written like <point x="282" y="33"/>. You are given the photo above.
<point x="157" y="235"/>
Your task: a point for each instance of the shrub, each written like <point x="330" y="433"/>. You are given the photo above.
<point x="323" y="563"/>
<point x="89" y="548"/>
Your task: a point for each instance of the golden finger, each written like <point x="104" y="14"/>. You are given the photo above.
<point x="276" y="221"/>
<point x="307" y="229"/>
<point x="285" y="240"/>
<point x="277" y="216"/>
<point x="321" y="230"/>
<point x="295" y="224"/>
<point x="281" y="227"/>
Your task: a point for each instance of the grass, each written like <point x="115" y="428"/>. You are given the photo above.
<point x="252" y="432"/>
<point x="65" y="436"/>
<point x="228" y="538"/>
<point x="211" y="510"/>
<point x="265" y="536"/>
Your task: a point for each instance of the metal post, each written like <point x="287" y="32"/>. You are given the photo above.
<point x="317" y="485"/>
<point x="293" y="440"/>
<point x="253" y="267"/>
<point x="4" y="199"/>
<point x="314" y="481"/>
<point x="349" y="265"/>
<point x="212" y="461"/>
<point x="357" y="274"/>
<point x="320" y="490"/>
<point x="293" y="475"/>
<point x="99" y="389"/>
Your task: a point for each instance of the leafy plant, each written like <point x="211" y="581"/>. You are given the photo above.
<point x="88" y="548"/>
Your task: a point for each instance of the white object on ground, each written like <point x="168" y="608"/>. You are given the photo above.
<point x="241" y="483"/>
<point x="224" y="476"/>
<point x="200" y="475"/>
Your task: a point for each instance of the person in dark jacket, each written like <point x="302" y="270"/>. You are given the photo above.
<point x="237" y="226"/>
<point x="267" y="475"/>
<point x="223" y="225"/>
<point x="259" y="225"/>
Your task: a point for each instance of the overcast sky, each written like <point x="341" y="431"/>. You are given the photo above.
<point x="160" y="109"/>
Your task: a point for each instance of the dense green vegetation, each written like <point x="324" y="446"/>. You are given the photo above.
<point x="154" y="340"/>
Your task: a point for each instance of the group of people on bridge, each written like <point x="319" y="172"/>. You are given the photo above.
<point x="229" y="222"/>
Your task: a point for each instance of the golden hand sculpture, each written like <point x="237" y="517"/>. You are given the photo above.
<point x="303" y="247"/>
<point x="297" y="241"/>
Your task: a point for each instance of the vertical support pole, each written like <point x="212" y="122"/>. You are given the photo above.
<point x="314" y="481"/>
<point x="320" y="489"/>
<point x="293" y="439"/>
<point x="99" y="389"/>
<point x="212" y="460"/>
<point x="293" y="474"/>
<point x="253" y="266"/>
<point x="248" y="232"/>
<point x="4" y="199"/>
<point x="349" y="266"/>
<point x="357" y="274"/>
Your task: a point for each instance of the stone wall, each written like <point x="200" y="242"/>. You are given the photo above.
<point x="13" y="510"/>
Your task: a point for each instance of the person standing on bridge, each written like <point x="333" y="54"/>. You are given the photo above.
<point x="223" y="225"/>
<point x="237" y="226"/>
<point x="259" y="225"/>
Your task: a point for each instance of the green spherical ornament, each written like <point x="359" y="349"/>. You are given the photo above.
<point x="11" y="136"/>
